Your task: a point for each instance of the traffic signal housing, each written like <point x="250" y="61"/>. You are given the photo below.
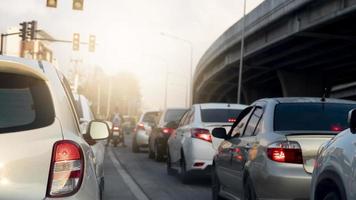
<point x="23" y="31"/>
<point x="33" y="29"/>
<point x="78" y="4"/>
<point x="52" y="3"/>
<point x="76" y="41"/>
<point x="92" y="39"/>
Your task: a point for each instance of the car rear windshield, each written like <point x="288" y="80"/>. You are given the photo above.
<point x="311" y="116"/>
<point x="219" y="115"/>
<point x="151" y="117"/>
<point x="174" y="115"/>
<point x="25" y="103"/>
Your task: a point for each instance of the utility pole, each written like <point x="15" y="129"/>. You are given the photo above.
<point x="241" y="55"/>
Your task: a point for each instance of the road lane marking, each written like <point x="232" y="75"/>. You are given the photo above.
<point x="135" y="189"/>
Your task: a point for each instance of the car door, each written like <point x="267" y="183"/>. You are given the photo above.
<point x="224" y="155"/>
<point x="174" y="140"/>
<point x="244" y="150"/>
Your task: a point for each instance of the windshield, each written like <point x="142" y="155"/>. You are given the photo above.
<point x="311" y="116"/>
<point x="174" y="115"/>
<point x="151" y="117"/>
<point x="219" y="115"/>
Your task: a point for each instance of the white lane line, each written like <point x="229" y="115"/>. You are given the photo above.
<point x="135" y="189"/>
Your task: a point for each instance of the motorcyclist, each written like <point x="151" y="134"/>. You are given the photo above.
<point x="116" y="120"/>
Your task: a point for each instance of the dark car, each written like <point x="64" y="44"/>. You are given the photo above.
<point x="157" y="143"/>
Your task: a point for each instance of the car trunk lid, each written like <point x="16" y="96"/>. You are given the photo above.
<point x="310" y="143"/>
<point x="25" y="162"/>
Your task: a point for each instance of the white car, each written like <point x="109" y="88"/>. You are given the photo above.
<point x="86" y="115"/>
<point x="44" y="153"/>
<point x="191" y="146"/>
<point x="143" y="129"/>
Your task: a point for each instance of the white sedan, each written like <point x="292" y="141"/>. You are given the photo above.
<point x="191" y="146"/>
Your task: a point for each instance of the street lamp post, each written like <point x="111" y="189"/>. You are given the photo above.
<point x="241" y="55"/>
<point x="189" y="82"/>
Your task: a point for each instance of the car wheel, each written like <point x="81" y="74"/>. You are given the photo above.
<point x="332" y="195"/>
<point x="170" y="170"/>
<point x="249" y="192"/>
<point x="135" y="147"/>
<point x="184" y="177"/>
<point x="215" y="186"/>
<point x="158" y="156"/>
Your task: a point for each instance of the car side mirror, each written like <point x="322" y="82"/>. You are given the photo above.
<point x="219" y="133"/>
<point x="172" y="125"/>
<point x="352" y="120"/>
<point x="97" y="130"/>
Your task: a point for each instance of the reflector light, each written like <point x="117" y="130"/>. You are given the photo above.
<point x="67" y="168"/>
<point x="198" y="164"/>
<point x="116" y="128"/>
<point x="336" y="127"/>
<point x="286" y="152"/>
<point x="202" y="134"/>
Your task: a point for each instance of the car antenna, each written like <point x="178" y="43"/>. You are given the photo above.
<point x="325" y="95"/>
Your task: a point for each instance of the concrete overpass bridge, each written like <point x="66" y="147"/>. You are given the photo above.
<point x="292" y="48"/>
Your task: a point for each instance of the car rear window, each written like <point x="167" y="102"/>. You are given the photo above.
<point x="25" y="103"/>
<point x="174" y="115"/>
<point x="219" y="115"/>
<point x="151" y="117"/>
<point x="311" y="116"/>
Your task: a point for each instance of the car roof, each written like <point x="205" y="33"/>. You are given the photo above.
<point x="23" y="66"/>
<point x="221" y="106"/>
<point x="308" y="100"/>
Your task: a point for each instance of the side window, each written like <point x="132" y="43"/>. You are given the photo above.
<point x="181" y="123"/>
<point x="253" y="122"/>
<point x="239" y="129"/>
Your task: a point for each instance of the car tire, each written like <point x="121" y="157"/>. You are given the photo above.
<point x="249" y="192"/>
<point x="135" y="147"/>
<point x="332" y="195"/>
<point x="157" y="154"/>
<point x="215" y="186"/>
<point x="170" y="170"/>
<point x="184" y="176"/>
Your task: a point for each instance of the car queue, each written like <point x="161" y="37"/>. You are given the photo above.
<point x="270" y="151"/>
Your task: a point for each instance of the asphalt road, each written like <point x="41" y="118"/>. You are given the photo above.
<point x="133" y="176"/>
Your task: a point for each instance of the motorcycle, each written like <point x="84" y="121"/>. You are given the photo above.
<point x="117" y="136"/>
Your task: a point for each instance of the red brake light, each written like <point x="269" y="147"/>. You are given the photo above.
<point x="202" y="134"/>
<point x="167" y="130"/>
<point x="67" y="169"/>
<point x="286" y="152"/>
<point x="336" y="127"/>
<point x="231" y="120"/>
<point x="115" y="128"/>
<point x="140" y="126"/>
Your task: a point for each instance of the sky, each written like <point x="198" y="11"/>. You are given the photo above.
<point x="132" y="36"/>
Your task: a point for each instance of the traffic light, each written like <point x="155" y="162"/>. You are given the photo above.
<point x="33" y="29"/>
<point x="76" y="41"/>
<point x="78" y="4"/>
<point x="92" y="43"/>
<point x="52" y="3"/>
<point x="23" y="31"/>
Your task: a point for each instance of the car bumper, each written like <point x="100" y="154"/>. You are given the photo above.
<point x="199" y="155"/>
<point x="287" y="181"/>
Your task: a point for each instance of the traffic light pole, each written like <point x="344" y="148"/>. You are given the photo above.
<point x="2" y="41"/>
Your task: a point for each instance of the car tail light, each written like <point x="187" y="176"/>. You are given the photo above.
<point x="140" y="126"/>
<point x="286" y="152"/>
<point x="67" y="169"/>
<point x="231" y="120"/>
<point x="167" y="131"/>
<point x="202" y="134"/>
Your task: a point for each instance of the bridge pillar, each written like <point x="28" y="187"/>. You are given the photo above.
<point x="297" y="84"/>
